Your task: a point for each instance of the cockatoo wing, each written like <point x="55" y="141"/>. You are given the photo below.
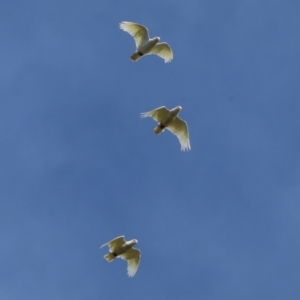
<point x="157" y="114"/>
<point x="115" y="244"/>
<point x="133" y="259"/>
<point x="163" y="50"/>
<point x="180" y="129"/>
<point x="139" y="32"/>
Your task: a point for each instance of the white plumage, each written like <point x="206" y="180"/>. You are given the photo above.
<point x="168" y="119"/>
<point x="118" y="247"/>
<point x="144" y="44"/>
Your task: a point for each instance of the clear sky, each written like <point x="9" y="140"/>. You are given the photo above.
<point x="78" y="166"/>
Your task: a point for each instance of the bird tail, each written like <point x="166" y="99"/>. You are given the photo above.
<point x="159" y="129"/>
<point x="110" y="257"/>
<point x="135" y="56"/>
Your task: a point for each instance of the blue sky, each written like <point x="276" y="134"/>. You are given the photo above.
<point x="79" y="167"/>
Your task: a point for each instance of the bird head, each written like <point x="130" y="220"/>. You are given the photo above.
<point x="133" y="242"/>
<point x="157" y="39"/>
<point x="177" y="109"/>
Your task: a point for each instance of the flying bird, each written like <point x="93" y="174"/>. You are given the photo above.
<point x="118" y="247"/>
<point x="168" y="119"/>
<point x="144" y="44"/>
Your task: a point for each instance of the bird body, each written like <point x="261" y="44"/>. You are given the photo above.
<point x="145" y="45"/>
<point x="118" y="247"/>
<point x="144" y="49"/>
<point x="169" y="119"/>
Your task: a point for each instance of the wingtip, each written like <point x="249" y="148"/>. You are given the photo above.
<point x="168" y="60"/>
<point x="143" y="115"/>
<point x="186" y="146"/>
<point x="131" y="273"/>
<point x="122" y="25"/>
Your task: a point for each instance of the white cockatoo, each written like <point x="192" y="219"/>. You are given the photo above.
<point x="118" y="247"/>
<point x="169" y="119"/>
<point x="144" y="44"/>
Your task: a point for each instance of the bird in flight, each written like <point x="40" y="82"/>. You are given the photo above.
<point x="145" y="45"/>
<point x="118" y="247"/>
<point x="168" y="119"/>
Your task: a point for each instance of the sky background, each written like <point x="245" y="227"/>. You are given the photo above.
<point x="78" y="167"/>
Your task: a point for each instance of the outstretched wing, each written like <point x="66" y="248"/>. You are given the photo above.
<point x="180" y="129"/>
<point x="139" y="32"/>
<point x="163" y="50"/>
<point x="133" y="258"/>
<point x="157" y="114"/>
<point x="115" y="244"/>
